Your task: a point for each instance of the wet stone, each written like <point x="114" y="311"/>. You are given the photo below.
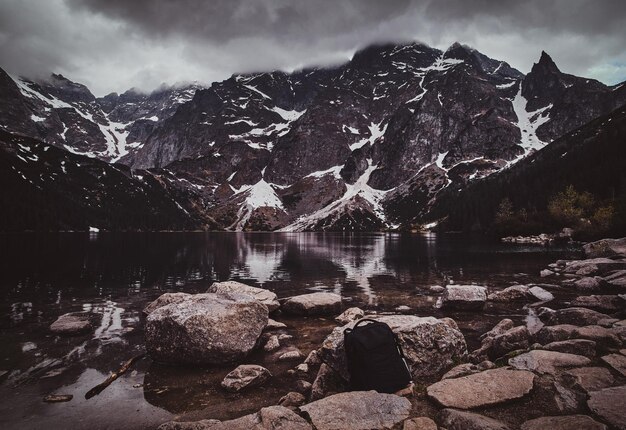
<point x="72" y="324"/>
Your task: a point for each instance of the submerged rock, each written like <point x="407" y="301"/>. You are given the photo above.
<point x="205" y="329"/>
<point x="245" y="376"/>
<point x="72" y="324"/>
<point x="482" y="389"/>
<point x="313" y="304"/>
<point x="358" y="410"/>
<point x="431" y="345"/>
<point x="264" y="296"/>
<point x="464" y="297"/>
<point x="453" y="419"/>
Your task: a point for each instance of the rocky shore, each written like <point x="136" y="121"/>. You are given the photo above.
<point x="564" y="367"/>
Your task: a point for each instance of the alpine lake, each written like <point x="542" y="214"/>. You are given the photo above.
<point x="117" y="274"/>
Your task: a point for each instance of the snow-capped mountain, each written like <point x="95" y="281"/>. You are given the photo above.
<point x="363" y="146"/>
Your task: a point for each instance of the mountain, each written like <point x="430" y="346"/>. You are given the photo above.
<point x="367" y="145"/>
<point x="591" y="159"/>
<point x="45" y="188"/>
<point x="67" y="115"/>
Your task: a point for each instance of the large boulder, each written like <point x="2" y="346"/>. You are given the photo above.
<point x="205" y="329"/>
<point x="165" y="299"/>
<point x="245" y="376"/>
<point x="270" y="418"/>
<point x="431" y="345"/>
<point x="266" y="297"/>
<point x="72" y="324"/>
<point x="464" y="297"/>
<point x="482" y="389"/>
<point x="358" y="410"/>
<point x="453" y="419"/>
<point x="594" y="266"/>
<point x="313" y="304"/>
<point x="610" y="405"/>
<point x="567" y="422"/>
<point x="549" y="362"/>
<point x="606" y="248"/>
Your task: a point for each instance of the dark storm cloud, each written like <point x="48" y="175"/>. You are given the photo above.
<point x="115" y="44"/>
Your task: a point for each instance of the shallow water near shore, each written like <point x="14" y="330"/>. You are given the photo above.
<point x="117" y="275"/>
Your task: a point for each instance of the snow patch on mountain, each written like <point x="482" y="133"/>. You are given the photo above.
<point x="528" y="123"/>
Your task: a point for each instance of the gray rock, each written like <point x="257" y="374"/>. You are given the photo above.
<point x="313" y="359"/>
<point x="606" y="248"/>
<point x="511" y="340"/>
<point x="430" y="345"/>
<point x="603" y="265"/>
<point x="165" y="299"/>
<point x="509" y="294"/>
<point x="501" y="327"/>
<point x="616" y="279"/>
<point x="549" y="362"/>
<point x="602" y="336"/>
<point x="270" y="418"/>
<point x="464" y="297"/>
<point x="617" y="362"/>
<point x="566" y="399"/>
<point x="574" y="346"/>
<point x="574" y="316"/>
<point x="541" y="294"/>
<point x="482" y="389"/>
<point x="589" y="379"/>
<point x="302" y="386"/>
<point x="245" y="376"/>
<point x="610" y="405"/>
<point x="358" y="410"/>
<point x="608" y="303"/>
<point x="567" y="422"/>
<point x="72" y="324"/>
<point x="205" y="329"/>
<point x="436" y="289"/>
<point x="313" y="304"/>
<point x="453" y="419"/>
<point x="545" y="273"/>
<point x="294" y="354"/>
<point x="292" y="399"/>
<point x="420" y="423"/>
<point x="266" y="297"/>
<point x="326" y="382"/>
<point x="274" y="325"/>
<point x="272" y="344"/>
<point x="461" y="370"/>
<point x="589" y="284"/>
<point x="349" y="315"/>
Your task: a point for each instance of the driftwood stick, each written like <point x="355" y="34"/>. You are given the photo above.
<point x="113" y="376"/>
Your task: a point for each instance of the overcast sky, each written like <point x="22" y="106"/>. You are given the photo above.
<point x="112" y="45"/>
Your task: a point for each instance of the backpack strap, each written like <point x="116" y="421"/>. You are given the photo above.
<point x="362" y="320"/>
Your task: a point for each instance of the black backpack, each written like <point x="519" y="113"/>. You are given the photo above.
<point x="375" y="358"/>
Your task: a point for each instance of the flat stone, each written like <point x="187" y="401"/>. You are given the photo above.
<point x="607" y="303"/>
<point x="453" y="419"/>
<point x="583" y="347"/>
<point x="313" y="304"/>
<point x="245" y="376"/>
<point x="420" y="423"/>
<point x="605" y="248"/>
<point x="58" y="398"/>
<point x="589" y="379"/>
<point x="482" y="389"/>
<point x="358" y="410"/>
<point x="610" y="405"/>
<point x="575" y="316"/>
<point x="165" y="299"/>
<point x="541" y="294"/>
<point x="274" y="325"/>
<point x="464" y="297"/>
<point x="547" y="362"/>
<point x="567" y="422"/>
<point x="270" y="418"/>
<point x="349" y="315"/>
<point x="617" y="362"/>
<point x="72" y="324"/>
<point x="290" y="355"/>
<point x="267" y="297"/>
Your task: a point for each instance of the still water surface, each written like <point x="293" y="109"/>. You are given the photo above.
<point x="116" y="275"/>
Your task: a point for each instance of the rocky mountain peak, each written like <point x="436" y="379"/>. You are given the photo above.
<point x="545" y="64"/>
